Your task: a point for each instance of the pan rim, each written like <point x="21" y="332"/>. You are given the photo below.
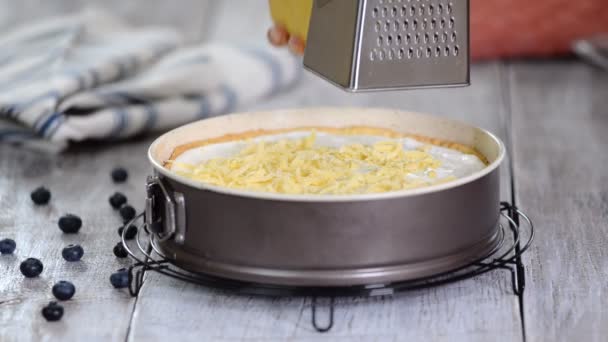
<point x="332" y="198"/>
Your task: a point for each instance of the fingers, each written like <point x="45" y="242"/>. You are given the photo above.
<point x="278" y="36"/>
<point x="296" y="45"/>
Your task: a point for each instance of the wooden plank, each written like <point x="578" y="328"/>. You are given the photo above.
<point x="80" y="184"/>
<point x="560" y="125"/>
<point x="479" y="309"/>
<point x="472" y="310"/>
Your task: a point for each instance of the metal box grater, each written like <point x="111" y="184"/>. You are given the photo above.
<point x="370" y="45"/>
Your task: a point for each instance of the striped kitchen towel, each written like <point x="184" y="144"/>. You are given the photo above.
<point x="90" y="76"/>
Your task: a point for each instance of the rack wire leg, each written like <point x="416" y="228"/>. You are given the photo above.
<point x="330" y="322"/>
<point x="136" y="281"/>
<point x="520" y="272"/>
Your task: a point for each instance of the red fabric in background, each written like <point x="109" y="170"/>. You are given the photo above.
<point x="533" y="28"/>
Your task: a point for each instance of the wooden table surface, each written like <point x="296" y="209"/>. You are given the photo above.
<point x="553" y="116"/>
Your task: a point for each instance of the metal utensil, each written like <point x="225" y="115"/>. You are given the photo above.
<point x="594" y="50"/>
<point x="370" y="45"/>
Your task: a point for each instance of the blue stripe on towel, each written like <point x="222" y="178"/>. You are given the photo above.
<point x="205" y="108"/>
<point x="51" y="132"/>
<point x="130" y="99"/>
<point x="6" y="134"/>
<point x="231" y="99"/>
<point x="121" y="119"/>
<point x="49" y="121"/>
<point x="272" y="64"/>
<point x="41" y="120"/>
<point x="151" y="117"/>
<point x="120" y="98"/>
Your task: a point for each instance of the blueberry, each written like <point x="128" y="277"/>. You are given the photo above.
<point x="120" y="279"/>
<point x="120" y="251"/>
<point x="130" y="233"/>
<point x="72" y="253"/>
<point x="127" y="212"/>
<point x="70" y="224"/>
<point x="119" y="175"/>
<point x="7" y="246"/>
<point x="63" y="290"/>
<point x="52" y="312"/>
<point x="31" y="267"/>
<point x="41" y="195"/>
<point x="117" y="200"/>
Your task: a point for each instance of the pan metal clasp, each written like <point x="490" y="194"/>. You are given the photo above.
<point x="165" y="214"/>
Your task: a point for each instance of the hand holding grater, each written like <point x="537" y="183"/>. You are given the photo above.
<point x="373" y="45"/>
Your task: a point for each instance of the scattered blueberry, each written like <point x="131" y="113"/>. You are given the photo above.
<point x="72" y="253"/>
<point x="52" y="312"/>
<point x="117" y="200"/>
<point x="120" y="279"/>
<point x="63" y="290"/>
<point x="130" y="233"/>
<point x="70" y="224"/>
<point x="127" y="212"/>
<point x="41" y="195"/>
<point x="120" y="251"/>
<point x="7" y="246"/>
<point x="31" y="267"/>
<point x="119" y="175"/>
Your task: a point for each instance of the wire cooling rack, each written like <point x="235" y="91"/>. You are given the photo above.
<point x="516" y="234"/>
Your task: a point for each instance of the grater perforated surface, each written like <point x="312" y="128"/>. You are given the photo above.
<point x="407" y="29"/>
<point x="412" y="43"/>
<point x="368" y="45"/>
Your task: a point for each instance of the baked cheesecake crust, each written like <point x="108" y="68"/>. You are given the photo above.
<point x="349" y="130"/>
